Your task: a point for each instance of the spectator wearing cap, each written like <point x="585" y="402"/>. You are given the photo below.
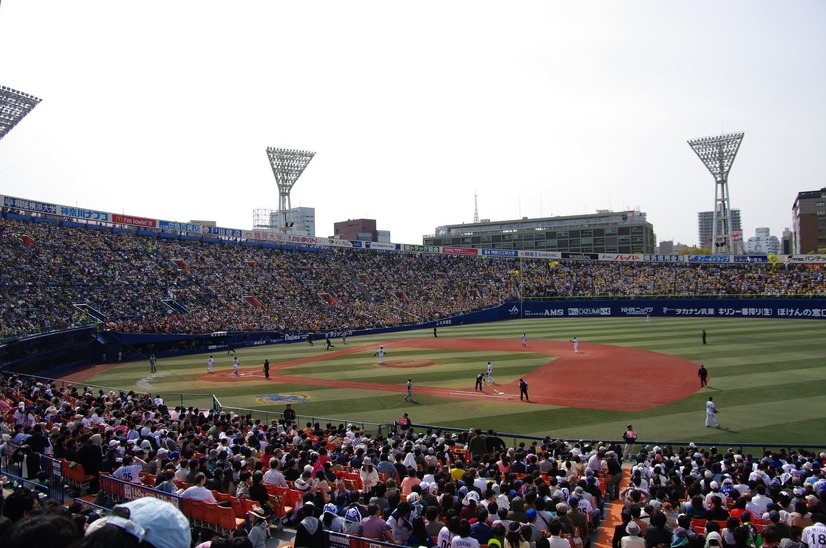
<point x="632" y="538"/>
<point x="579" y="519"/>
<point x="530" y="521"/>
<point x="257" y="534"/>
<point x="562" y="510"/>
<point x="154" y="522"/>
<point x="620" y="529"/>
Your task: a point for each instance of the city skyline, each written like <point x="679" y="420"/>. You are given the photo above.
<point x="539" y="109"/>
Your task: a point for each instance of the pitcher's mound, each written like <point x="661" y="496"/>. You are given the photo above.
<point x="408" y="363"/>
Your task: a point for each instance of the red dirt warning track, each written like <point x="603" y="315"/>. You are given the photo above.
<point x="598" y="377"/>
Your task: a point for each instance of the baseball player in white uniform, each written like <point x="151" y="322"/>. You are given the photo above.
<point x="711" y="411"/>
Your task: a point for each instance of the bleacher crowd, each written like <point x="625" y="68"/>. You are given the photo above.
<point x="48" y="269"/>
<point x="413" y="488"/>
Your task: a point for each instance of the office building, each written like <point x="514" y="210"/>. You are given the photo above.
<point x="601" y="232"/>
<point x="809" y="222"/>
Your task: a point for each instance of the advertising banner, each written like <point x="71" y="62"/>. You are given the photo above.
<point x="806" y="259"/>
<point x="179" y="227"/>
<point x="125" y="491"/>
<point x="581" y="256"/>
<point x="662" y="258"/>
<point x="29" y="205"/>
<point x="134" y="221"/>
<point x="619" y="257"/>
<point x="87" y="214"/>
<point x="556" y="255"/>
<point x="421" y="248"/>
<point x="460" y="251"/>
<point x="225" y="232"/>
<point x="708" y="258"/>
<point x="499" y="252"/>
<point x="382" y="246"/>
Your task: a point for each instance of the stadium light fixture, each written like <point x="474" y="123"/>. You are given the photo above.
<point x="14" y="106"/>
<point x="287" y="166"/>
<point x="717" y="154"/>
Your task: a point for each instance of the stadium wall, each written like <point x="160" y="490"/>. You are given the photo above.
<point x="61" y="351"/>
<point x="135" y="346"/>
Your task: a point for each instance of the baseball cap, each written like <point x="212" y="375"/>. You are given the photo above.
<point x="330" y="508"/>
<point x="152" y="520"/>
<point x="530" y="514"/>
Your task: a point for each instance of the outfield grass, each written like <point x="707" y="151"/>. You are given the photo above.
<point x="768" y="378"/>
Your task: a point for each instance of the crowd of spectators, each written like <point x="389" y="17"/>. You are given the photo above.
<point x="463" y="489"/>
<point x="153" y="284"/>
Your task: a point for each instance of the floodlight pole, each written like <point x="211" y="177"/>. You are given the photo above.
<point x="14" y="106"/>
<point x="287" y="166"/>
<point x="718" y="153"/>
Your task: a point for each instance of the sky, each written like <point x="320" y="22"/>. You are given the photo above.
<point x="416" y="111"/>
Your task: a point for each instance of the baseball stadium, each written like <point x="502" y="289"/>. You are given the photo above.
<point x="130" y="329"/>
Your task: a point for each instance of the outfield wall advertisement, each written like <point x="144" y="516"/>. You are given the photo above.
<point x="714" y="308"/>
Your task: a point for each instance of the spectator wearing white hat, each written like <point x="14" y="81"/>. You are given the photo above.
<point x="633" y="539"/>
<point x="369" y="476"/>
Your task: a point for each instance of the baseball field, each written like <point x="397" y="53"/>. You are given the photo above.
<point x="767" y="378"/>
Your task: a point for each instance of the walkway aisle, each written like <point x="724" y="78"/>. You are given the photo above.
<point x="612" y="514"/>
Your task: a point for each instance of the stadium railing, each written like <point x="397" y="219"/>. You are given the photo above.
<point x="373" y="428"/>
<point x="722" y="445"/>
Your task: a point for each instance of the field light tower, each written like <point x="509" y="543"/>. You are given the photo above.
<point x="717" y="153"/>
<point x="287" y="166"/>
<point x="14" y="105"/>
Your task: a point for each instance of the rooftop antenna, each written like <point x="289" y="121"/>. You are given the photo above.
<point x="718" y="153"/>
<point x="475" y="209"/>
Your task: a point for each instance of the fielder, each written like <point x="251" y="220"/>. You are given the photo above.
<point x="210" y="363"/>
<point x="235" y="365"/>
<point x="711" y="411"/>
<point x="576" y="345"/>
<point x="490" y="379"/>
